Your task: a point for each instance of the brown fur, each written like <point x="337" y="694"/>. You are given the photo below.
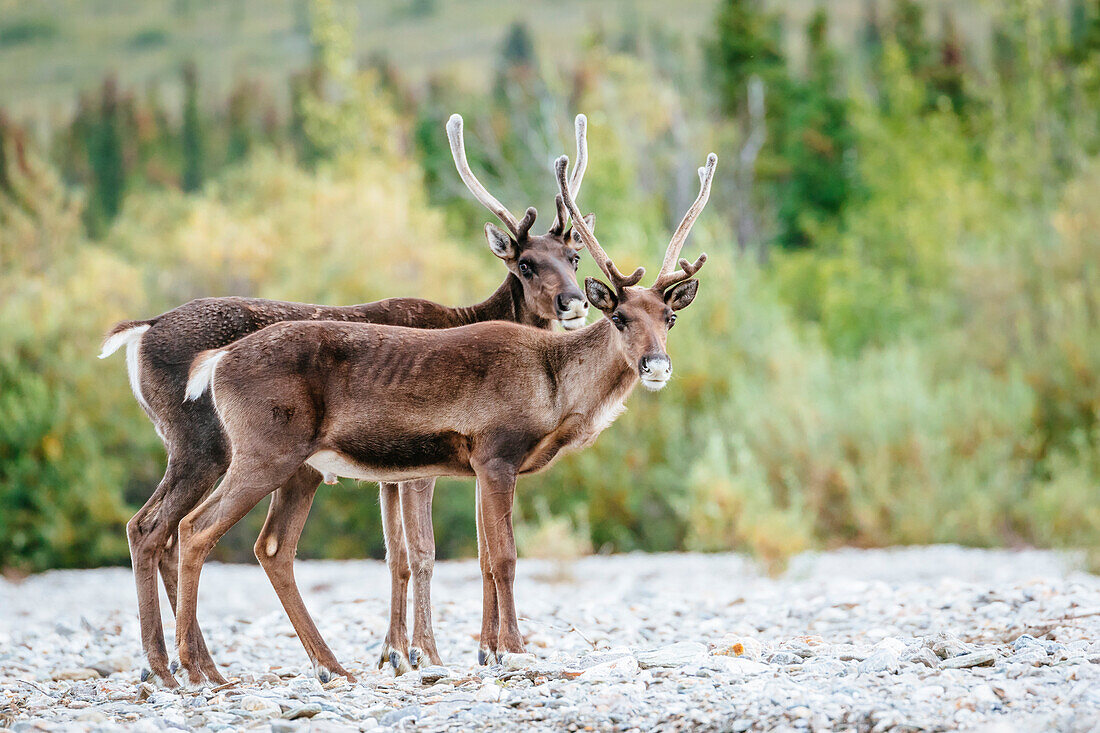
<point x="198" y="452"/>
<point x="490" y="400"/>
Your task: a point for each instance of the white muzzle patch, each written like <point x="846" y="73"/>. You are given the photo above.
<point x="576" y="317"/>
<point x="655" y="373"/>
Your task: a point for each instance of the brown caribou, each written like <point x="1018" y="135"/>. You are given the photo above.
<point x="383" y="403"/>
<point x="539" y="289"/>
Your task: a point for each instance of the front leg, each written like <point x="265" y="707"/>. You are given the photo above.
<point x="490" y="620"/>
<point x="416" y="513"/>
<point x="497" y="487"/>
<point x="395" y="650"/>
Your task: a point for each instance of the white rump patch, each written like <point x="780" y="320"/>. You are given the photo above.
<point x="122" y="338"/>
<point x="202" y="374"/>
<point x="131" y="339"/>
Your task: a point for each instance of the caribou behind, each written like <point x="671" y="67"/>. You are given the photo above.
<point x="489" y="400"/>
<point x="540" y="288"/>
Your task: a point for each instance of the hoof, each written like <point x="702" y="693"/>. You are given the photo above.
<point x="146" y="674"/>
<point x="414" y="657"/>
<point x="486" y="657"/>
<point x="399" y="663"/>
<point x="323" y="675"/>
<point x="174" y="667"/>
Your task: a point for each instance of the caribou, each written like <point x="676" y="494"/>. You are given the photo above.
<point x="383" y="403"/>
<point x="539" y="290"/>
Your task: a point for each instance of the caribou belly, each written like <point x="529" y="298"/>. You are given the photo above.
<point x="332" y="464"/>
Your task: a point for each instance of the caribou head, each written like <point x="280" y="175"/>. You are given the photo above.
<point x="642" y="316"/>
<point x="544" y="264"/>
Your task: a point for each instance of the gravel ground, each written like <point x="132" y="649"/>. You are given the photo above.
<point x="929" y="638"/>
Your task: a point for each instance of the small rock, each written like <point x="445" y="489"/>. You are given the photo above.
<point x="258" y="704"/>
<point x="881" y="660"/>
<point x="1032" y="655"/>
<point x="673" y="655"/>
<point x="1025" y="640"/>
<point x="925" y="656"/>
<point x="747" y="647"/>
<point x="785" y="658"/>
<point x="285" y="726"/>
<point x="617" y="669"/>
<point x="433" y="674"/>
<point x="984" y="658"/>
<point x="78" y="673"/>
<point x="518" y="661"/>
<point x="302" y="711"/>
<point x="108" y="667"/>
<point x="489" y="692"/>
<point x="738" y="665"/>
<point x="984" y="695"/>
<point x="946" y="645"/>
<point x="400" y="713"/>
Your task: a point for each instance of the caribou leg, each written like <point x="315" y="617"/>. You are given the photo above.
<point x="244" y="485"/>
<point x="149" y="533"/>
<point x="275" y="549"/>
<point x="416" y="511"/>
<point x="490" y="620"/>
<point x="395" y="649"/>
<point x="498" y="488"/>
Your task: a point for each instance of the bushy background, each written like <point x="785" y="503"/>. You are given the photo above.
<point x="897" y="338"/>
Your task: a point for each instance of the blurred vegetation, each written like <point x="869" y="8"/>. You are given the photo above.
<point x="897" y="339"/>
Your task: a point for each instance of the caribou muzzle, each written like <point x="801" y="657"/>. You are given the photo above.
<point x="655" y="370"/>
<point x="572" y="310"/>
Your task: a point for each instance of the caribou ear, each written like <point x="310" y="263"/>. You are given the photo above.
<point x="681" y="296"/>
<point x="500" y="242"/>
<point x="600" y="295"/>
<point x="589" y="220"/>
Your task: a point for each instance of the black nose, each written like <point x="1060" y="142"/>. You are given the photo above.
<point x="655" y="365"/>
<point x="563" y="299"/>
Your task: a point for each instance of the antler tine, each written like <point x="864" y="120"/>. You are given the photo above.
<point x="579" y="167"/>
<point x="686" y="271"/>
<point x="581" y="164"/>
<point x="458" y="152"/>
<point x="706" y="175"/>
<point x="617" y="279"/>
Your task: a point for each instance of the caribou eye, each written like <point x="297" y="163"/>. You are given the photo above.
<point x="672" y="320"/>
<point x="525" y="269"/>
<point x="618" y="321"/>
<point x="576" y="262"/>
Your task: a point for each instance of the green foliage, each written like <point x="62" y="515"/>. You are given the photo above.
<point x="917" y="361"/>
<point x="104" y="146"/>
<point x="746" y="43"/>
<point x="192" y="137"/>
<point x="27" y="31"/>
<point x="148" y="38"/>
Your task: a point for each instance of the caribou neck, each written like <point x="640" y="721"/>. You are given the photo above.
<point x="506" y="304"/>
<point x="592" y="372"/>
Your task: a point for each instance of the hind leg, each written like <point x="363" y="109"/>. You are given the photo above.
<point x="149" y="533"/>
<point x="246" y="482"/>
<point x="275" y="549"/>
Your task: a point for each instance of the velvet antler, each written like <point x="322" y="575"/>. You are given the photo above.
<point x="667" y="276"/>
<point x="518" y="229"/>
<point x="618" y="280"/>
<point x="581" y="125"/>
